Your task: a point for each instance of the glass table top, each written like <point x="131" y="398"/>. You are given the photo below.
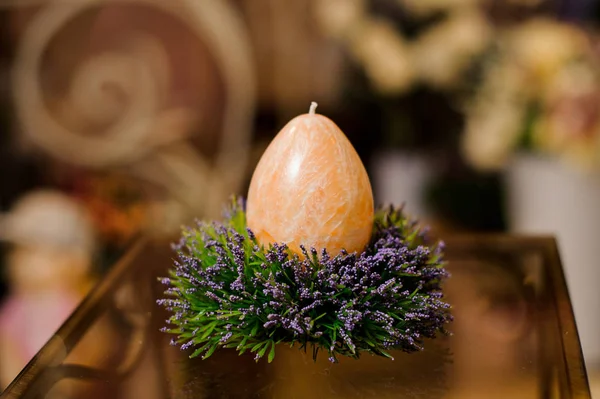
<point x="514" y="336"/>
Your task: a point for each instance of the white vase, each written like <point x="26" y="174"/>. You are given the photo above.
<point x="546" y="196"/>
<point x="400" y="177"/>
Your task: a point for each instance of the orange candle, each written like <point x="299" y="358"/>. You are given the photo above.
<point x="310" y="188"/>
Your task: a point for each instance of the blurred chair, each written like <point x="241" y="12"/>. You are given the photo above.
<point x="162" y="91"/>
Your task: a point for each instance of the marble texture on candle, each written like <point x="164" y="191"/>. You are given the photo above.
<point x="310" y="187"/>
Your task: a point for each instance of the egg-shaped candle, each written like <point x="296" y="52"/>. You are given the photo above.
<point x="310" y="188"/>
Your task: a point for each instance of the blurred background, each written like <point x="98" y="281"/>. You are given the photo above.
<point x="122" y="118"/>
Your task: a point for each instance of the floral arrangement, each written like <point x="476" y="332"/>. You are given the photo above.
<point x="540" y="91"/>
<point x="226" y="291"/>
<point x="406" y="60"/>
<point x="401" y="44"/>
<point x="410" y="59"/>
<point x="395" y="60"/>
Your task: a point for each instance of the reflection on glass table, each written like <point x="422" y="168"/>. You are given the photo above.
<point x="514" y="336"/>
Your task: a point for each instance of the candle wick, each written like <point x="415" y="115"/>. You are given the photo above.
<point x="313" y="108"/>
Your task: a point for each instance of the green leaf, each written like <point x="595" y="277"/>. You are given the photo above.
<point x="262" y="352"/>
<point x="320" y="317"/>
<point x="271" y="352"/>
<point x="211" y="351"/>
<point x="369" y="342"/>
<point x="256" y="347"/>
<point x="199" y="350"/>
<point x="242" y="349"/>
<point x="243" y="341"/>
<point x="209" y="330"/>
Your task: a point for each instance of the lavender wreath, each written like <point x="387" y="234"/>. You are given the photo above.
<point x="227" y="291"/>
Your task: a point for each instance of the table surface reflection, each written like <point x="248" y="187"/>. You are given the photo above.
<point x="514" y="336"/>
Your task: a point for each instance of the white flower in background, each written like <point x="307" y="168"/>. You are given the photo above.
<point x="427" y="7"/>
<point x="569" y="124"/>
<point x="564" y="80"/>
<point x="445" y="51"/>
<point x="337" y="17"/>
<point x="495" y="119"/>
<point x="490" y="138"/>
<point x="384" y="55"/>
<point x="544" y="82"/>
<point x="543" y="46"/>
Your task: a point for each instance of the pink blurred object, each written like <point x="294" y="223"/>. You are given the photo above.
<point x="30" y="320"/>
<point x="49" y="271"/>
